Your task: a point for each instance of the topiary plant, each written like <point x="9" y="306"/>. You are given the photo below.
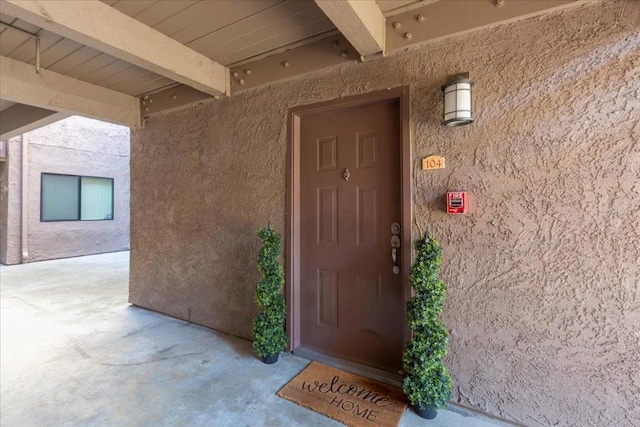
<point x="427" y="383"/>
<point x="268" y="326"/>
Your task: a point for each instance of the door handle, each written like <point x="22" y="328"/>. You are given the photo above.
<point x="395" y="244"/>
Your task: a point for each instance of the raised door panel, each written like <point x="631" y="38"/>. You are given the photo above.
<point x="368" y="149"/>
<point x="368" y="215"/>
<point x="327" y="153"/>
<point x="369" y="302"/>
<point x="327" y="216"/>
<point x="327" y="298"/>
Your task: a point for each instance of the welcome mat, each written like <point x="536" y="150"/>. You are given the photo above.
<point x="351" y="399"/>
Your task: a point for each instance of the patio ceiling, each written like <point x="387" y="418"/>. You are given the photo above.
<point x="122" y="60"/>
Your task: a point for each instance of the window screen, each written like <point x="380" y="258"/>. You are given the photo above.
<point x="96" y="195"/>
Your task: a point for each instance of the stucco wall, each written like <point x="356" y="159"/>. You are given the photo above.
<point x="3" y="210"/>
<point x="4" y="202"/>
<point x="543" y="301"/>
<point x="10" y="206"/>
<point x="77" y="146"/>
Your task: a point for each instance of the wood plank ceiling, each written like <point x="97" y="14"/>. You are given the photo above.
<point x="230" y="32"/>
<point x="227" y="31"/>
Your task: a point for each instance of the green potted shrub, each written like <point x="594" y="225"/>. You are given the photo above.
<point x="268" y="327"/>
<point x="427" y="383"/>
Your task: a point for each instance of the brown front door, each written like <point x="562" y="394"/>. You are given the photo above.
<point x="351" y="299"/>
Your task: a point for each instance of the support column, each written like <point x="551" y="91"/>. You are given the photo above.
<point x="11" y="202"/>
<point x="24" y="208"/>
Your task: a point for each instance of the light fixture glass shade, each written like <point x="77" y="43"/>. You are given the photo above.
<point x="457" y="103"/>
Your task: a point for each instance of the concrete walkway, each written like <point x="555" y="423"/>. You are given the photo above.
<point x="74" y="352"/>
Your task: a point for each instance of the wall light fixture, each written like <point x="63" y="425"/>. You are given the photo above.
<point x="457" y="101"/>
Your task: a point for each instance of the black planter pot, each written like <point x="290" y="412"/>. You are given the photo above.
<point x="428" y="413"/>
<point x="270" y="359"/>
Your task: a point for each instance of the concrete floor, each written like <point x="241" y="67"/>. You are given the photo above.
<point x="74" y="352"/>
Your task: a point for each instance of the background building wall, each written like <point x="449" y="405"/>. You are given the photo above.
<point x="79" y="146"/>
<point x="543" y="280"/>
<point x="73" y="146"/>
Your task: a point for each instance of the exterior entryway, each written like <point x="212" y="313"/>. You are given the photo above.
<point x="350" y="293"/>
<point x="74" y="352"/>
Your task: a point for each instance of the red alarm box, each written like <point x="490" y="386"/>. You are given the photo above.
<point x="457" y="202"/>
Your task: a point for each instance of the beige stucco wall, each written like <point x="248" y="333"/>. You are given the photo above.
<point x="10" y="203"/>
<point x="543" y="301"/>
<point x="74" y="146"/>
<point x="3" y="210"/>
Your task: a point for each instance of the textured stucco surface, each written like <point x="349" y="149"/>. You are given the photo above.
<point x="76" y="146"/>
<point x="10" y="206"/>
<point x="4" y="191"/>
<point x="544" y="275"/>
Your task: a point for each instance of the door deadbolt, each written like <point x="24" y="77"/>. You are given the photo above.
<point x="395" y="228"/>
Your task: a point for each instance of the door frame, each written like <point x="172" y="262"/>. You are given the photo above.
<point x="292" y="241"/>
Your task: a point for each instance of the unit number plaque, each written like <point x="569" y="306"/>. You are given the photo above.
<point x="433" y="162"/>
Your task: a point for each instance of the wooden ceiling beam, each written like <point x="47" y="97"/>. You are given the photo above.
<point x="172" y="99"/>
<point x="20" y="83"/>
<point x="100" y="26"/>
<point x="449" y="18"/>
<point x="20" y="118"/>
<point x="360" y="21"/>
<point x="331" y="51"/>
